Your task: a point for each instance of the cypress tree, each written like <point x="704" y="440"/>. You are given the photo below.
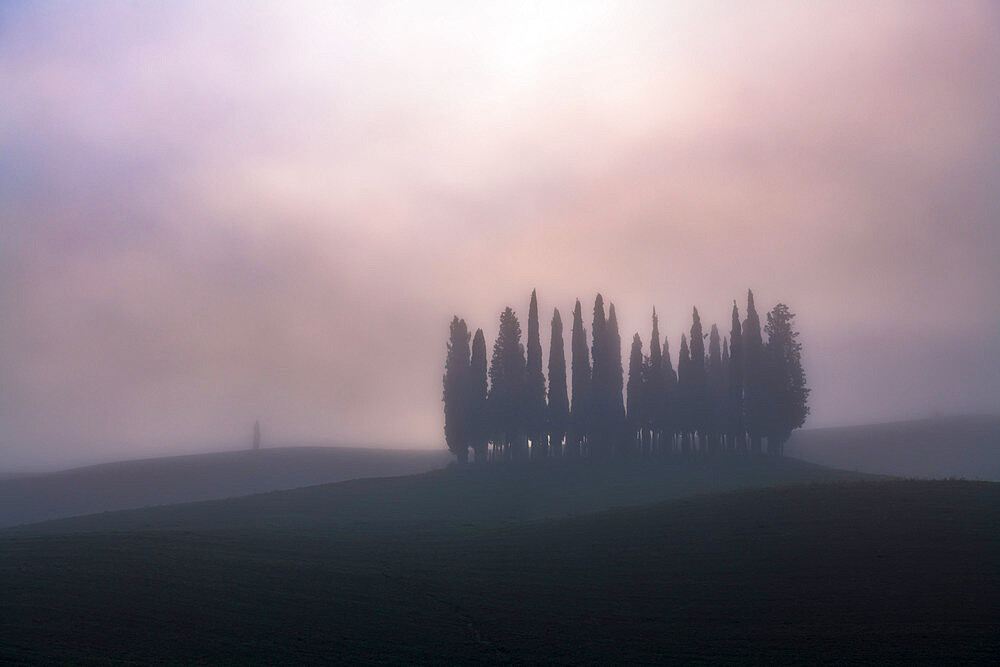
<point x="786" y="380"/>
<point x="535" y="409"/>
<point x="558" y="399"/>
<point x="479" y="427"/>
<point x="724" y="401"/>
<point x="456" y="383"/>
<point x="737" y="429"/>
<point x="598" y="422"/>
<point x="697" y="387"/>
<point x="656" y="400"/>
<point x="580" y="411"/>
<point x="716" y="389"/>
<point x="754" y="397"/>
<point x="616" y="386"/>
<point x="669" y="409"/>
<point x="683" y="403"/>
<point x="635" y="406"/>
<point x="506" y="397"/>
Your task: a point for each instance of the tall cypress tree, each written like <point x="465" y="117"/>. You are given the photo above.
<point x="697" y="387"/>
<point x="455" y="395"/>
<point x="506" y="397"/>
<point x="670" y="407"/>
<point x="636" y="403"/>
<point x="616" y="386"/>
<point x="655" y="397"/>
<point x="716" y="389"/>
<point x="737" y="429"/>
<point x="683" y="402"/>
<point x="534" y="408"/>
<point x="787" y="394"/>
<point x="754" y="396"/>
<point x="580" y="411"/>
<point x="558" y="398"/>
<point x="598" y="427"/>
<point x="724" y="401"/>
<point x="479" y="427"/>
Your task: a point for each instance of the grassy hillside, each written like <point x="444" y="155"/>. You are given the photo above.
<point x="940" y="448"/>
<point x="126" y="484"/>
<point x="462" y="496"/>
<point x="827" y="573"/>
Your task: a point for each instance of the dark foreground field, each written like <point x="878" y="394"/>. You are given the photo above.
<point x="825" y="572"/>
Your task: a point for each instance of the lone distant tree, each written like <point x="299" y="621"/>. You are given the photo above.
<point x="580" y="411"/>
<point x="456" y="391"/>
<point x="787" y="394"/>
<point x="479" y="422"/>
<point x="506" y="397"/>
<point x="754" y="381"/>
<point x="635" y="406"/>
<point x="558" y="420"/>
<point x="256" y="434"/>
<point x="534" y="399"/>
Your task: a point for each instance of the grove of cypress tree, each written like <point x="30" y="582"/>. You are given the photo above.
<point x="580" y="412"/>
<point x="534" y="408"/>
<point x="787" y="393"/>
<point x="754" y="395"/>
<point x="455" y="396"/>
<point x="558" y="420"/>
<point x="479" y="427"/>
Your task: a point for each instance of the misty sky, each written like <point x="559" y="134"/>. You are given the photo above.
<point x="210" y="214"/>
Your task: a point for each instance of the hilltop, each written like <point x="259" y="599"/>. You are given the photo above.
<point x="940" y="447"/>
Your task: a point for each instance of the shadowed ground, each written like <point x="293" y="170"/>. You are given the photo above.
<point x="831" y="572"/>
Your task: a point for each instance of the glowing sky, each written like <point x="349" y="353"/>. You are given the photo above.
<point x="213" y="212"/>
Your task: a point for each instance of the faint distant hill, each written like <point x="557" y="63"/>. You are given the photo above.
<point x="177" y="479"/>
<point x="966" y="446"/>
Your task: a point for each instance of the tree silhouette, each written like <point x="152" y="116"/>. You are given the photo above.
<point x="636" y="404"/>
<point x="456" y="380"/>
<point x="598" y="429"/>
<point x="684" y="396"/>
<point x="506" y="397"/>
<point x="655" y="392"/>
<point x="580" y="413"/>
<point x="535" y="408"/>
<point x="787" y="405"/>
<point x="697" y="385"/>
<point x="479" y="424"/>
<point x="616" y="384"/>
<point x="754" y="392"/>
<point x="716" y="391"/>
<point x="558" y="421"/>
<point x="724" y="399"/>
<point x="670" y="411"/>
<point x="735" y="412"/>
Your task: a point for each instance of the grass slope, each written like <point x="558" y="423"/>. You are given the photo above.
<point x="128" y="484"/>
<point x="942" y="447"/>
<point x="883" y="571"/>
<point x="465" y="495"/>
